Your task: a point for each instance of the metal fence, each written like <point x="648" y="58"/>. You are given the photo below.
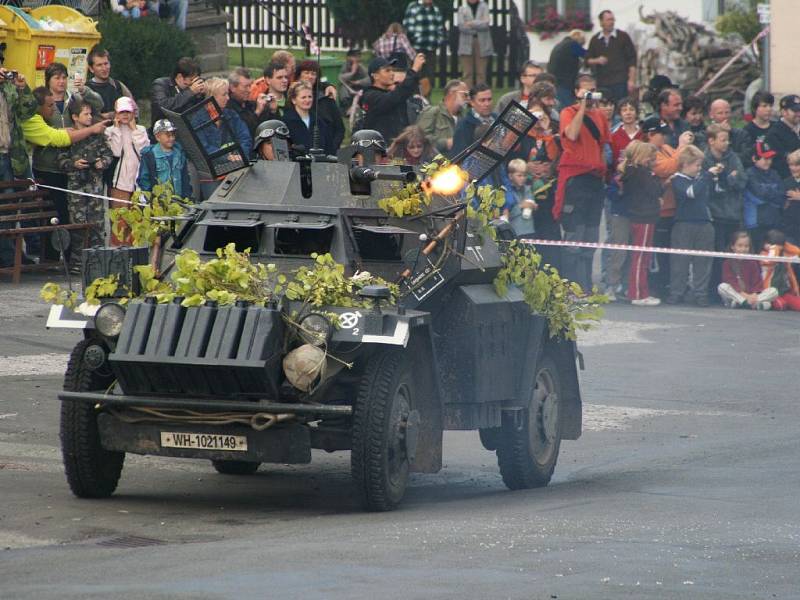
<point x="253" y="27"/>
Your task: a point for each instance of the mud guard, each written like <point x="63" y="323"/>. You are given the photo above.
<point x="429" y="449"/>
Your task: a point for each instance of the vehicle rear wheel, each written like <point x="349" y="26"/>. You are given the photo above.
<point x="385" y="430"/>
<point x="92" y="471"/>
<point x="235" y="467"/>
<point x="527" y="455"/>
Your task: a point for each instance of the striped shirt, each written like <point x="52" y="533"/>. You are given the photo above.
<point x="424" y="26"/>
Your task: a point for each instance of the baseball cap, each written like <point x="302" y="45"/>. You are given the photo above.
<point x="378" y="63"/>
<point x="792" y="101"/>
<point x="163" y="125"/>
<point x="124" y="104"/>
<point x="654" y="124"/>
<point x="763" y="150"/>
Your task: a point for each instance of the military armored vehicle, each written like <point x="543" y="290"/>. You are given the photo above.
<point x="215" y="382"/>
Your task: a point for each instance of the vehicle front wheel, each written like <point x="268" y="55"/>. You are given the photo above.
<point x="385" y="431"/>
<point x="527" y="455"/>
<point x="235" y="467"/>
<point x="92" y="471"/>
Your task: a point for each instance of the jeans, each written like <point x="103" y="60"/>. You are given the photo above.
<point x="176" y="8"/>
<point x="691" y="236"/>
<point x="580" y="218"/>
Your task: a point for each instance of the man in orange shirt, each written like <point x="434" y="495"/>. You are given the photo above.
<point x="579" y="199"/>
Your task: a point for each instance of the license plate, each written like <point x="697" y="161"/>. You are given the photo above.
<point x="204" y="441"/>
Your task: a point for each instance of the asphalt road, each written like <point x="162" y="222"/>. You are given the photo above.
<point x="683" y="485"/>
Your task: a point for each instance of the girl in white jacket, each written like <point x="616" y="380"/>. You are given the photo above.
<point x="127" y="140"/>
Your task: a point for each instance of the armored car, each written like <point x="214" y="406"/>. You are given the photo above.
<point x="241" y="385"/>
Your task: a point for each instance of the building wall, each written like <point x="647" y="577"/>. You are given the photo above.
<point x="627" y="13"/>
<point x="784" y="47"/>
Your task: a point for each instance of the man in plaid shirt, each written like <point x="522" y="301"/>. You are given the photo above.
<point x="425" y="28"/>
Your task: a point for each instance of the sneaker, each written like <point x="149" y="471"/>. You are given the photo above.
<point x="649" y="301"/>
<point x="764" y="305"/>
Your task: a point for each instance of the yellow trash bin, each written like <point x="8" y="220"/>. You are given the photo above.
<point x="44" y="35"/>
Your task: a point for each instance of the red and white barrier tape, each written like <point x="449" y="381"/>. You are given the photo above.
<point x="86" y="194"/>
<point x="595" y="245"/>
<point x="683" y="251"/>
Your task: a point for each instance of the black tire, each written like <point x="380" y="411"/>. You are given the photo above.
<point x="379" y="463"/>
<point x="235" y="467"/>
<point x="527" y="455"/>
<point x="92" y="471"/>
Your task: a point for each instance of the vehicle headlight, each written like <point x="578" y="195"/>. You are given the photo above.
<point x="108" y="319"/>
<point x="315" y="329"/>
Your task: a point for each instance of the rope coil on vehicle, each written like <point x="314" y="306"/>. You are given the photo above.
<point x="258" y="421"/>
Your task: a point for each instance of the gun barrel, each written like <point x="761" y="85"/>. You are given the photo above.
<point x="365" y="174"/>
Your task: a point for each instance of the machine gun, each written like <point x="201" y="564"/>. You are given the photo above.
<point x="367" y="174"/>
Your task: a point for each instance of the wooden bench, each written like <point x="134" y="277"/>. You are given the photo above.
<point x="25" y="211"/>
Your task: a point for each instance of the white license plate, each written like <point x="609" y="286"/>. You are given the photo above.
<point x="204" y="441"/>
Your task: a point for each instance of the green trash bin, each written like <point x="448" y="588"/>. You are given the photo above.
<point x="330" y="66"/>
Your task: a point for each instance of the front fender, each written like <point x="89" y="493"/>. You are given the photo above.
<point x="61" y="317"/>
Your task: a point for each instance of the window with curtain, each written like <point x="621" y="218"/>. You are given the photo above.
<point x="533" y="7"/>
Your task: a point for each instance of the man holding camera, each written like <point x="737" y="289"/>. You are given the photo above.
<point x="252" y="113"/>
<point x="579" y="198"/>
<point x="177" y="93"/>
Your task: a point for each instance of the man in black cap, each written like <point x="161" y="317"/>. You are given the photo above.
<point x="385" y="107"/>
<point x="783" y="136"/>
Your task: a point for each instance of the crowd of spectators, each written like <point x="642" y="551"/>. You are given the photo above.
<point x="661" y="168"/>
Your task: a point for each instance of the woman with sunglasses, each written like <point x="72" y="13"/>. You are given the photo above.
<point x="301" y="120"/>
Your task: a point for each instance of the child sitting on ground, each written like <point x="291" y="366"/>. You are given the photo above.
<point x="742" y="285"/>
<point x="519" y="199"/>
<point x="692" y="229"/>
<point x="84" y="163"/>
<point x="780" y="275"/>
<point x="164" y="162"/>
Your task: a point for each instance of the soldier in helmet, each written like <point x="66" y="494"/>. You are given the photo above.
<point x="272" y="140"/>
<point x="367" y="147"/>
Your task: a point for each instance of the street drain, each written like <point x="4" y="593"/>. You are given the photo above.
<point x="130" y="541"/>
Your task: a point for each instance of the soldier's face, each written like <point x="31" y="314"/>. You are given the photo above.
<point x="85" y="117"/>
<point x="266" y="151"/>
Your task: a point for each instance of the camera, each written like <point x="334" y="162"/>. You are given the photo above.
<point x="594" y="95"/>
<point x="10" y="75"/>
